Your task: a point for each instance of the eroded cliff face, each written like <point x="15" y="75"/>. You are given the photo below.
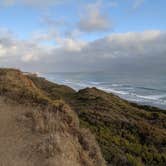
<point x="37" y="130"/>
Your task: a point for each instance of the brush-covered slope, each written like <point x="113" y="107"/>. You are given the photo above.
<point x="52" y="90"/>
<point x="128" y="134"/>
<point x="36" y="130"/>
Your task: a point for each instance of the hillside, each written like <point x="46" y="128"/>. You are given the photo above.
<point x="128" y="134"/>
<point x="37" y="130"/>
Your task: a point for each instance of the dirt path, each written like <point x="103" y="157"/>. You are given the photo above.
<point x="14" y="139"/>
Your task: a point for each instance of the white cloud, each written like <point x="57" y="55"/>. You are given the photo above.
<point x="93" y="20"/>
<point x="28" y="57"/>
<point x="44" y="36"/>
<point x="69" y="44"/>
<point x="2" y="51"/>
<point x="138" y="3"/>
<point x="125" y="51"/>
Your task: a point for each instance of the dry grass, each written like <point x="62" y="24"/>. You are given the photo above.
<point x="36" y="130"/>
<point x="128" y="134"/>
<point x="30" y="137"/>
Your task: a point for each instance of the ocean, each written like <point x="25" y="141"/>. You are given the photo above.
<point x="142" y="88"/>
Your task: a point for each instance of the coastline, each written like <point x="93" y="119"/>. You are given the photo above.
<point x="133" y="98"/>
<point x="124" y="133"/>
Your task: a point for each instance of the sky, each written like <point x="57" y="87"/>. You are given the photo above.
<point x="83" y="35"/>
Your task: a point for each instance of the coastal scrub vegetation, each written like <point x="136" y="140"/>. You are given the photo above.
<point x="128" y="133"/>
<point x="38" y="130"/>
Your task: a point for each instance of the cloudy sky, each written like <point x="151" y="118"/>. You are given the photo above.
<point x="83" y="35"/>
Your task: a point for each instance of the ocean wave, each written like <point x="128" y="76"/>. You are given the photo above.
<point x="114" y="91"/>
<point x="111" y="84"/>
<point x="156" y="99"/>
<point x="147" y="99"/>
<point x="67" y="82"/>
<point x="151" y="89"/>
<point x="151" y="97"/>
<point x="94" y="83"/>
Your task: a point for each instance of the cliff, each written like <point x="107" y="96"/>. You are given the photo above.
<point x="49" y="124"/>
<point x="38" y="130"/>
<point x="128" y="133"/>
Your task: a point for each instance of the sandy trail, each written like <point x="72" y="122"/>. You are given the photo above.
<point x="15" y="137"/>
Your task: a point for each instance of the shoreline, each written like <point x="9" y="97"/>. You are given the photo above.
<point x="124" y="131"/>
<point x="130" y="100"/>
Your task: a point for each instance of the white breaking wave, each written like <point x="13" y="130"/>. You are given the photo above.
<point x="126" y="91"/>
<point x="113" y="91"/>
<point x="152" y="97"/>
